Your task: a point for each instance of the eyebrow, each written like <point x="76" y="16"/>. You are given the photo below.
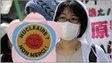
<point x="65" y="14"/>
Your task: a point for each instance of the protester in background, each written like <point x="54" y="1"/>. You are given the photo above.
<point x="9" y="11"/>
<point x="8" y="14"/>
<point x="5" y="44"/>
<point x="72" y="47"/>
<point x="44" y="7"/>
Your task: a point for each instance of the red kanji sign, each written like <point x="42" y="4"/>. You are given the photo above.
<point x="99" y="29"/>
<point x="92" y="12"/>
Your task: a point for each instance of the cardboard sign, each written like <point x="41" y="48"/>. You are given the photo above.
<point x="34" y="39"/>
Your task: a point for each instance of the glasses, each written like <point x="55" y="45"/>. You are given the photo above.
<point x="73" y="19"/>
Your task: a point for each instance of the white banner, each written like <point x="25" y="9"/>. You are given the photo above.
<point x="100" y="12"/>
<point x="98" y="7"/>
<point x="101" y="33"/>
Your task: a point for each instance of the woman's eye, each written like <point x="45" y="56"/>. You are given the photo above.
<point x="62" y="18"/>
<point x="73" y="18"/>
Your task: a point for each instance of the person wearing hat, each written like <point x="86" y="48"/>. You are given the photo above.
<point x="45" y="7"/>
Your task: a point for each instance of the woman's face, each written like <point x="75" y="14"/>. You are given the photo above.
<point x="68" y="15"/>
<point x="68" y="20"/>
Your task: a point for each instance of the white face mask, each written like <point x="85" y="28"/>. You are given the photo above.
<point x="69" y="30"/>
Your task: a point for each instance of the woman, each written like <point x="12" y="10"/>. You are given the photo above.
<point x="73" y="18"/>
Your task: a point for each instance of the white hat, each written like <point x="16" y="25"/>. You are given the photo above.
<point x="3" y="29"/>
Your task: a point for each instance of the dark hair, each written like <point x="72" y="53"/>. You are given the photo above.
<point x="4" y="45"/>
<point x="78" y="10"/>
<point x="5" y="50"/>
